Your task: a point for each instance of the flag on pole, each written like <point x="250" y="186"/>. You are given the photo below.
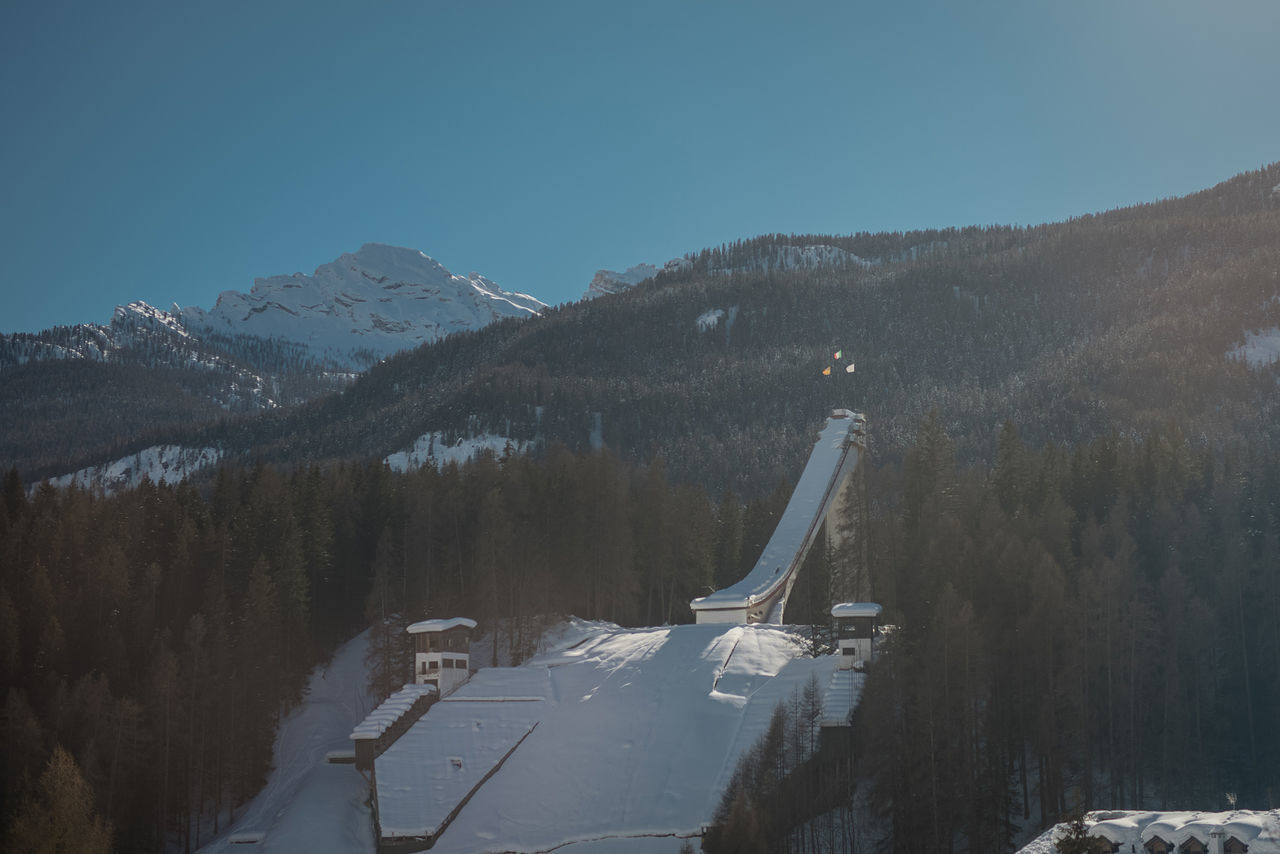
<point x="839" y="353"/>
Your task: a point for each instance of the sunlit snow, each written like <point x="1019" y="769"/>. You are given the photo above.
<point x="629" y="737"/>
<point x="1260" y="831"/>
<point x="169" y="463"/>
<point x="432" y="449"/>
<point x="1259" y="349"/>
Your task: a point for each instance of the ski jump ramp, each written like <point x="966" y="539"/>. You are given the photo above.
<point x="761" y="597"/>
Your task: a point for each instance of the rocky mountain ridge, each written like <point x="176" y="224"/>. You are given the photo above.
<point x="364" y="306"/>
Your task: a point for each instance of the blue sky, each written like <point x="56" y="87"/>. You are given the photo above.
<point x="167" y="151"/>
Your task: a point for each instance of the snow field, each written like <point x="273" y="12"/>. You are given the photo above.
<point x="1260" y="349"/>
<point x="308" y="804"/>
<point x="431" y="449"/>
<point x="641" y="729"/>
<point x="168" y="463"/>
<point x="629" y="739"/>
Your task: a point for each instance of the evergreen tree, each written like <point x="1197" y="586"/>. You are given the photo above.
<point x="59" y="815"/>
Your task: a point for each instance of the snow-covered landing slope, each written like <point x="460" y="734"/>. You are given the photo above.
<point x="638" y="732"/>
<point x="636" y="739"/>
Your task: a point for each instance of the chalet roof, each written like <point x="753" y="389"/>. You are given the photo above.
<point x="1177" y="828"/>
<point x="440" y="625"/>
<point x="856" y="609"/>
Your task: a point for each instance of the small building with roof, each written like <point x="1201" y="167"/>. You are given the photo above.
<point x="442" y="652"/>
<point x="856" y="627"/>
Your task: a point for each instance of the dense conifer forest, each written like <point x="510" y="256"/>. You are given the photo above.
<point x="157" y="636"/>
<point x="1118" y="321"/>
<point x="1074" y="629"/>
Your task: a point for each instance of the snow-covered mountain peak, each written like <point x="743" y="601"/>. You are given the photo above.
<point x="139" y="314"/>
<point x="379" y="300"/>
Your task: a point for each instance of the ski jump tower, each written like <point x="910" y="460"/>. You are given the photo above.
<point x="761" y="597"/>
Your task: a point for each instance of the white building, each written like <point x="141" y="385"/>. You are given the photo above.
<point x="856" y="624"/>
<point x="442" y="652"/>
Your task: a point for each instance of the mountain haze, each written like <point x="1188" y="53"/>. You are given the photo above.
<point x="90" y="393"/>
<point x="1121" y="322"/>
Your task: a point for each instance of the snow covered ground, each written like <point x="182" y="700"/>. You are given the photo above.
<point x="431" y="449"/>
<point x="170" y="463"/>
<point x="1260" y="349"/>
<point x="637" y="733"/>
<point x="1130" y="829"/>
<point x="308" y="804"/>
<point x="637" y="736"/>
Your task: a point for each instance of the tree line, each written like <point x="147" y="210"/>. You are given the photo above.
<point x="1073" y="629"/>
<point x="150" y="641"/>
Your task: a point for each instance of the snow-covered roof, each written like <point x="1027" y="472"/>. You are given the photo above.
<point x="640" y="732"/>
<point x="1259" y="830"/>
<point x="856" y="609"/>
<point x="1178" y="827"/>
<point x="389" y="711"/>
<point x="440" y="625"/>
<point x="505" y="684"/>
<point x="434" y="766"/>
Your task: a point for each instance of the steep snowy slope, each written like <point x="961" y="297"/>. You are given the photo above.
<point x="364" y="306"/>
<point x="638" y="732"/>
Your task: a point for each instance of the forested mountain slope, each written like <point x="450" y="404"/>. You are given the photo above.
<point x="1118" y="322"/>
<point x="88" y="393"/>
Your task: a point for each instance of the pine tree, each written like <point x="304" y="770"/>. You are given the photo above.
<point x="59" y="816"/>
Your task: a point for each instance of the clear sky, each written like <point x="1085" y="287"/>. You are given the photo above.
<point x="170" y="150"/>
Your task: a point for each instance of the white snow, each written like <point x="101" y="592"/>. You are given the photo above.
<point x="308" y="804"/>
<point x="390" y="710"/>
<point x="808" y="505"/>
<point x="429" y="770"/>
<point x="1259" y="349"/>
<point x="440" y="625"/>
<point x="798" y="258"/>
<point x="168" y="463"/>
<point x="856" y="609"/>
<point x="382" y="299"/>
<point x="431" y="449"/>
<point x="710" y="319"/>
<point x="639" y="732"/>
<point x="629" y="737"/>
<point x="841" y="696"/>
<point x="1259" y="830"/>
